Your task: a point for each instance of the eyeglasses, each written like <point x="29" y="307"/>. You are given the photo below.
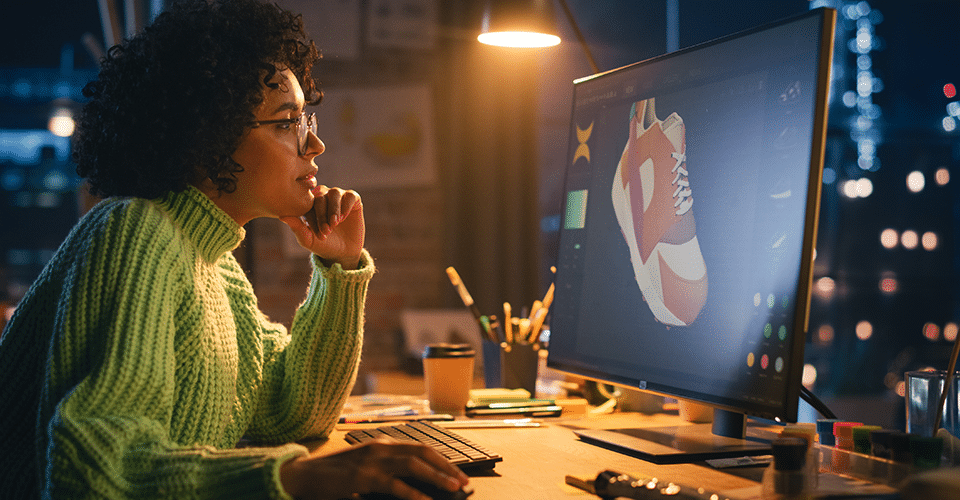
<point x="304" y="124"/>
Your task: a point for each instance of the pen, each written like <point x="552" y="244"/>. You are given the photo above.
<point x="392" y="410"/>
<point x="532" y="411"/>
<point x="490" y="424"/>
<point x="393" y="418"/>
<point x="468" y="301"/>
<point x="496" y="329"/>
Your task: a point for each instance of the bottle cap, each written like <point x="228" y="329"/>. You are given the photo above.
<point x="825" y="431"/>
<point x="789" y="453"/>
<point x="805" y="432"/>
<point x="844" y="430"/>
<point x="881" y="443"/>
<point x="900" y="446"/>
<point x="861" y="437"/>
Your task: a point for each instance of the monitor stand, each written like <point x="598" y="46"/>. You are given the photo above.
<point x="727" y="437"/>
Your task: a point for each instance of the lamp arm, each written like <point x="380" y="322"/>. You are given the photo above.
<point x="576" y="31"/>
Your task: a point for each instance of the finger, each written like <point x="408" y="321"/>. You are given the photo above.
<point x="426" y="464"/>
<point x="349" y="202"/>
<point x="320" y="203"/>
<point x="301" y="229"/>
<point x="334" y="197"/>
<point x="440" y="463"/>
<point x="400" y="489"/>
<point x="311" y="219"/>
<point x="429" y="473"/>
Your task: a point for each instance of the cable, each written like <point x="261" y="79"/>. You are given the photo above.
<point x="815" y="402"/>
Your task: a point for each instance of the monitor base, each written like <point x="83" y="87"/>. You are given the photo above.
<point x="674" y="445"/>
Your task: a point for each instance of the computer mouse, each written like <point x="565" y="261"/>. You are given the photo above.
<point x="434" y="492"/>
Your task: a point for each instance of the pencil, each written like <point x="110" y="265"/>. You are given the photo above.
<point x="535" y="326"/>
<point x="468" y="301"/>
<point x="507" y="323"/>
<point x="524" y="329"/>
<point x="533" y="309"/>
<point x="548" y="298"/>
<point x="946" y="385"/>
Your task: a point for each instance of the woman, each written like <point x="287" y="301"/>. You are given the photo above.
<point x="139" y="359"/>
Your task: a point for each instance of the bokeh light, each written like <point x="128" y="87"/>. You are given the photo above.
<point x="942" y="176"/>
<point x="825" y="334"/>
<point x="915" y="181"/>
<point x="909" y="239"/>
<point x="949" y="124"/>
<point x="825" y="287"/>
<point x="950" y="332"/>
<point x="950" y="90"/>
<point x="809" y="376"/>
<point x="929" y="240"/>
<point x="931" y="332"/>
<point x="888" y="285"/>
<point x="864" y="330"/>
<point x="889" y="238"/>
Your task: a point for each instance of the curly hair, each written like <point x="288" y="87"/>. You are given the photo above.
<point x="170" y="105"/>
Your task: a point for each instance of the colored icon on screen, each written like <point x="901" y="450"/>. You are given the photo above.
<point x="576" y="216"/>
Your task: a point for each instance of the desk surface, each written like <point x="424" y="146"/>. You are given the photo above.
<point x="536" y="461"/>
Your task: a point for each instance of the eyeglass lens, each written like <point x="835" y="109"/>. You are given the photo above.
<point x="307" y="124"/>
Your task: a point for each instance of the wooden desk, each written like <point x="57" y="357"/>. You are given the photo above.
<point x="537" y="460"/>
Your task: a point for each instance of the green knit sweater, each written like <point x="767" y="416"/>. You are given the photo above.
<point x="139" y="359"/>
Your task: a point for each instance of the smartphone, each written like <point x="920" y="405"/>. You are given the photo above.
<point x="527" y="411"/>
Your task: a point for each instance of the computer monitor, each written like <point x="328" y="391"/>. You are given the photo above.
<point x="687" y="238"/>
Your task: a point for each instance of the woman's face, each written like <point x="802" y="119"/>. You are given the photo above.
<point x="276" y="180"/>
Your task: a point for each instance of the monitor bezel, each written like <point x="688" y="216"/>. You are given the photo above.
<point x="787" y="409"/>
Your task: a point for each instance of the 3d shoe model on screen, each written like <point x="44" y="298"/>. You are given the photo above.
<point x="653" y="203"/>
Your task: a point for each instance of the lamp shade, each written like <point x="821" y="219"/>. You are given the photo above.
<point x="519" y="23"/>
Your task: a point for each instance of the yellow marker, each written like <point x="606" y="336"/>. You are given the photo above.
<point x="507" y="322"/>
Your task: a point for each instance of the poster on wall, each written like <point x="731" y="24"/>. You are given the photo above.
<point x="377" y="137"/>
<point x="403" y="24"/>
<point x="333" y="25"/>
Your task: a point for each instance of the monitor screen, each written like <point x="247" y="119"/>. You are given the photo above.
<point x="687" y="237"/>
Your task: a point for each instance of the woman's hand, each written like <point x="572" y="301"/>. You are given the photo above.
<point x="373" y="467"/>
<point x="334" y="228"/>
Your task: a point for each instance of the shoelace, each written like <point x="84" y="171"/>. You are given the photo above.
<point x="683" y="194"/>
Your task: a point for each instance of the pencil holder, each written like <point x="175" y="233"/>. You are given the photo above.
<point x="510" y="366"/>
<point x="923" y="392"/>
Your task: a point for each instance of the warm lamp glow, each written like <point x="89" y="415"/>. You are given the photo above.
<point x="518" y="23"/>
<point x="522" y="39"/>
<point x="527" y="24"/>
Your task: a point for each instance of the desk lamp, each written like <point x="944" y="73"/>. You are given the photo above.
<point x="526" y="23"/>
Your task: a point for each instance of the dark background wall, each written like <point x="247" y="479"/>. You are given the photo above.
<point x="499" y="121"/>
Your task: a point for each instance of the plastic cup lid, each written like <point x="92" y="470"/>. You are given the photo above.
<point x="448" y="351"/>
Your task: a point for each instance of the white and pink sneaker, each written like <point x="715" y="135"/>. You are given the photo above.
<point x="653" y="203"/>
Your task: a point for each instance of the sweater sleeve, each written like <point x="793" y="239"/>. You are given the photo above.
<point x="110" y="383"/>
<point x="308" y="375"/>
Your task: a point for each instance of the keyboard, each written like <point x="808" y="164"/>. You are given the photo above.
<point x="462" y="452"/>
